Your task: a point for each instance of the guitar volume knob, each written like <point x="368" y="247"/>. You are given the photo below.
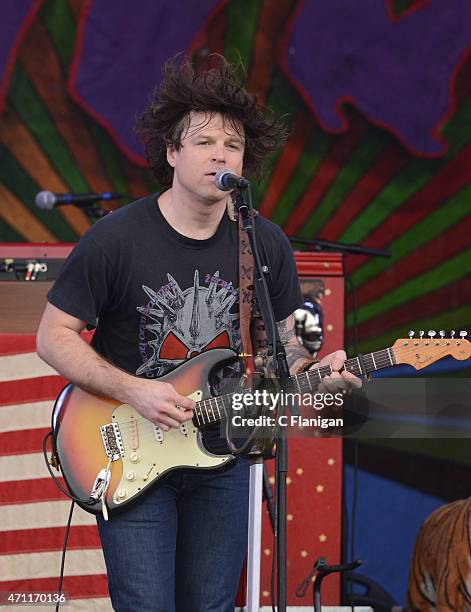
<point x="134" y="457"/>
<point x="130" y="475"/>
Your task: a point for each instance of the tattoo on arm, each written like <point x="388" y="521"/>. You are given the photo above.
<point x="296" y="354"/>
<point x="286" y="330"/>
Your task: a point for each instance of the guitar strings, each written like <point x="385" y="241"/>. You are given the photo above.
<point x="381" y="359"/>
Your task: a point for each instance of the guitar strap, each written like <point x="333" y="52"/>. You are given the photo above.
<point x="252" y="330"/>
<point x="254" y="342"/>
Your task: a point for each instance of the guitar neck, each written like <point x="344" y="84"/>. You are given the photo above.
<point x="360" y="366"/>
<point x="215" y="409"/>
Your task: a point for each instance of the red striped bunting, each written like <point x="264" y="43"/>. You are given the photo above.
<point x="33" y="511"/>
<point x="31" y="490"/>
<point x="51" y="538"/>
<point x="30" y="390"/>
<point x="12" y="344"/>
<point x="20" y="442"/>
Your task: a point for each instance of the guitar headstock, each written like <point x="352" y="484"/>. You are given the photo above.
<point x="423" y="351"/>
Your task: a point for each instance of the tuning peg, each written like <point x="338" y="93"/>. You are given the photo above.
<point x="452" y="333"/>
<point x="411" y="333"/>
<point x="463" y="334"/>
<point x="432" y="333"/>
<point x="442" y="333"/>
<point x="421" y="333"/>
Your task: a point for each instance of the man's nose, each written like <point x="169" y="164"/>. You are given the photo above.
<point x="219" y="152"/>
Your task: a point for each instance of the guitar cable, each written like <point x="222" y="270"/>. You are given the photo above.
<point x="64" y="549"/>
<point x="89" y="502"/>
<point x="69" y="520"/>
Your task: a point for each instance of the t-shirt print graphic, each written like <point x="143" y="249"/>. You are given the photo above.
<point x="177" y="324"/>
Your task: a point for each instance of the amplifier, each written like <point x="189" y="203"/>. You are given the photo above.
<point x="27" y="271"/>
<point x="32" y="262"/>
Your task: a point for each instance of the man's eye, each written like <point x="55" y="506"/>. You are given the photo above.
<point x="234" y="146"/>
<point x="203" y="142"/>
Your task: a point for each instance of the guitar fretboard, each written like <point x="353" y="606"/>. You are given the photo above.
<point x="215" y="409"/>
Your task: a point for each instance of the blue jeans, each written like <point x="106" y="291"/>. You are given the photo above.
<point x="181" y="547"/>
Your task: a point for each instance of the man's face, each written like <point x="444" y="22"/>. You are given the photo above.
<point x="209" y="144"/>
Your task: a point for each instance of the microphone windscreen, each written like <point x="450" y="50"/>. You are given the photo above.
<point x="45" y="200"/>
<point x="219" y="179"/>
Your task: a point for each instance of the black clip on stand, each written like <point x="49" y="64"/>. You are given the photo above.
<point x="319" y="572"/>
<point x="275" y="347"/>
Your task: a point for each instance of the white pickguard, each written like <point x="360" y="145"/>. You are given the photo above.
<point x="150" y="452"/>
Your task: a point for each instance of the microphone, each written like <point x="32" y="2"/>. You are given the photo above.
<point x="226" y="180"/>
<point x="46" y="200"/>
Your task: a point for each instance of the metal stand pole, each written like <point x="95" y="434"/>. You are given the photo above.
<point x="255" y="535"/>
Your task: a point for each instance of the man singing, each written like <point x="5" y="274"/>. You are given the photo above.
<point x="159" y="281"/>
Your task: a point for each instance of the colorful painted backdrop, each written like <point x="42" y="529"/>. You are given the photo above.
<point x="378" y="95"/>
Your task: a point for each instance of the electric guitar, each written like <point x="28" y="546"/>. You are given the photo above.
<point x="109" y="454"/>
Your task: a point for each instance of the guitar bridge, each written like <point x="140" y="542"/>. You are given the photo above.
<point x="112" y="441"/>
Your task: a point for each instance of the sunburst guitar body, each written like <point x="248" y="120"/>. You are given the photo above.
<point x="98" y="439"/>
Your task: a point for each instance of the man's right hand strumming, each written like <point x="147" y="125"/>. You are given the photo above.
<point x="160" y="403"/>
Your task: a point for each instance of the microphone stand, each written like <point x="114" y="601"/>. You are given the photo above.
<point x="352" y="249"/>
<point x="275" y="348"/>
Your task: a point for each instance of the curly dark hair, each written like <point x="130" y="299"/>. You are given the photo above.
<point x="217" y="90"/>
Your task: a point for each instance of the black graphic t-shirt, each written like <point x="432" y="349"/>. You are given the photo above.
<point x="157" y="297"/>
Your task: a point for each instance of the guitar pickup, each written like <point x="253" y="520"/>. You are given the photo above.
<point x="159" y="434"/>
<point x="112" y="441"/>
